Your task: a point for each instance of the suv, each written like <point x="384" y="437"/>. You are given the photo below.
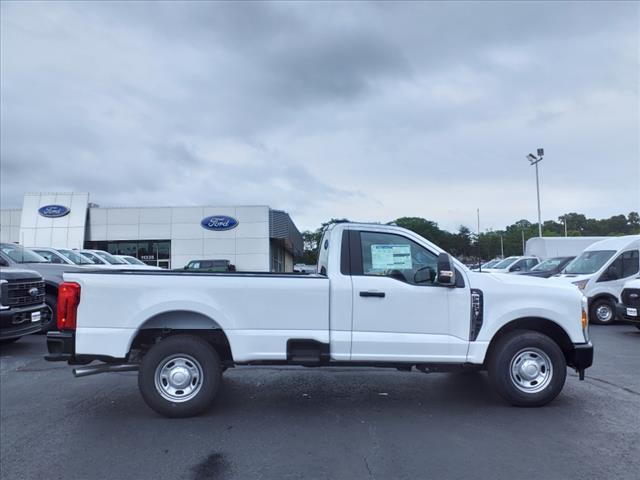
<point x="22" y="307"/>
<point x="211" y="266"/>
<point x="12" y="255"/>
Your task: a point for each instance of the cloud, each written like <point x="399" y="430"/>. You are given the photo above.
<point x="364" y="110"/>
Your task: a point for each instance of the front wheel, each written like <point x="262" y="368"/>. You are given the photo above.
<point x="603" y="312"/>
<point x="527" y="368"/>
<point x="180" y="376"/>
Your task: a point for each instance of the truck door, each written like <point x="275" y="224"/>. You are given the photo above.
<point x="399" y="312"/>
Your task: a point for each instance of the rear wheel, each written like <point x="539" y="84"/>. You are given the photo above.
<point x="602" y="311"/>
<point x="180" y="376"/>
<point x="527" y="368"/>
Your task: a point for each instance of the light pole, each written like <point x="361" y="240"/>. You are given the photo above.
<point x="533" y="160"/>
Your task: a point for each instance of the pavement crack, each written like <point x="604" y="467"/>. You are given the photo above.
<point x="366" y="464"/>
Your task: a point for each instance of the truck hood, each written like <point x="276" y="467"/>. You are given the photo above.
<point x="570" y="277"/>
<point x="520" y="280"/>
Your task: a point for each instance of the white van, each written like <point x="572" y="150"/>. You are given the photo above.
<point x="601" y="271"/>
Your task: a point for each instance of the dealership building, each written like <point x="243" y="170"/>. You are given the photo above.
<point x="252" y="237"/>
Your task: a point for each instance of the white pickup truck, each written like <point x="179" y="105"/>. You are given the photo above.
<point x="383" y="297"/>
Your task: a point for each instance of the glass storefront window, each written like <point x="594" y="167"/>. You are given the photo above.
<point x="151" y="252"/>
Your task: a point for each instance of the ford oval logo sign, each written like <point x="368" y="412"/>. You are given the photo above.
<point x="53" y="211"/>
<point x="219" y="222"/>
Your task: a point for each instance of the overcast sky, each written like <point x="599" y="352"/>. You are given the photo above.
<point x="362" y="110"/>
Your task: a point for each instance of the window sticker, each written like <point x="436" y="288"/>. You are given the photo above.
<point x="391" y="257"/>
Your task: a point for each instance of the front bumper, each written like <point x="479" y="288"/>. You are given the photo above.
<point x="16" y="322"/>
<point x="623" y="313"/>
<point x="580" y="357"/>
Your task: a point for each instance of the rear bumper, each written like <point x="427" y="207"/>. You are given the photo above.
<point x="581" y="357"/>
<point x="61" y="346"/>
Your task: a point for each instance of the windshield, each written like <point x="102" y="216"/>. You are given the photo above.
<point x="94" y="257"/>
<point x="491" y="263"/>
<point x="20" y="254"/>
<point x="505" y="263"/>
<point x="110" y="258"/>
<point x="53" y="257"/>
<point x="76" y="257"/>
<point x="548" y="265"/>
<point x="589" y="262"/>
<point x="134" y="260"/>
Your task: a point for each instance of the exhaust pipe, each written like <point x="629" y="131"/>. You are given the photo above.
<point x="104" y="368"/>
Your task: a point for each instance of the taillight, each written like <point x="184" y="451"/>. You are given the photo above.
<point x="68" y="300"/>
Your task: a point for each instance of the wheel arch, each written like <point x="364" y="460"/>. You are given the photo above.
<point x="601" y="296"/>
<point x="537" y="324"/>
<point x="176" y="322"/>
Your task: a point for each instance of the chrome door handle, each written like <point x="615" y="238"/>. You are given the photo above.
<point x="372" y="294"/>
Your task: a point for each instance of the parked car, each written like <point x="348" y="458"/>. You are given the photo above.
<point x="383" y="297"/>
<point x="77" y="258"/>
<point x="601" y="271"/>
<point x="489" y="264"/>
<point x="12" y="255"/>
<point x="52" y="255"/>
<point x="513" y="265"/>
<point x="134" y="263"/>
<point x="103" y="258"/>
<point x="22" y="307"/>
<point x="549" y="267"/>
<point x="629" y="307"/>
<point x="210" y="266"/>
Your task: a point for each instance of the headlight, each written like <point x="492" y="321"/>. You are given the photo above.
<point x="581" y="284"/>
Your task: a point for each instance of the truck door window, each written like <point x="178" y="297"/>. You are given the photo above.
<point x="394" y="256"/>
<point x="630" y="263"/>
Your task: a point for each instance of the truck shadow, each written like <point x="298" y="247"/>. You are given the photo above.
<point x="276" y="390"/>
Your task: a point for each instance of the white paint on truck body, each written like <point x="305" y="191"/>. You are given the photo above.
<point x="260" y="313"/>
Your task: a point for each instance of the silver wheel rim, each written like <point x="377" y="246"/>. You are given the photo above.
<point x="604" y="313"/>
<point x="531" y="370"/>
<point x="178" y="378"/>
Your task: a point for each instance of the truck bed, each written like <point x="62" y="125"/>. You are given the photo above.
<point x="258" y="311"/>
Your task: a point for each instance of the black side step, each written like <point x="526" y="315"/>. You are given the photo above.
<point x="305" y="351"/>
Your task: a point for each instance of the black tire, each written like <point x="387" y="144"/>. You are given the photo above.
<point x="185" y="348"/>
<point x="596" y="312"/>
<point x="51" y="300"/>
<point x="513" y="347"/>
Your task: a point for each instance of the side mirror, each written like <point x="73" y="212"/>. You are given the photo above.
<point x="446" y="274"/>
<point x="517" y="268"/>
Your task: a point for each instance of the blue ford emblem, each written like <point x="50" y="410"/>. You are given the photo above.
<point x="53" y="211"/>
<point x="219" y="222"/>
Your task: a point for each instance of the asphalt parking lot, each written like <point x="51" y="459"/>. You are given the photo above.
<point x="288" y="423"/>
